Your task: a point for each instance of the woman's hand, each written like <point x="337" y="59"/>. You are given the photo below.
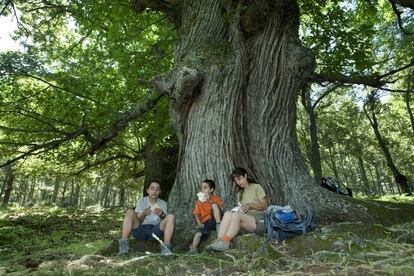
<point x="244" y="208"/>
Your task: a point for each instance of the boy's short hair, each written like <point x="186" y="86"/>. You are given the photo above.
<point x="210" y="183"/>
<point x="153" y="181"/>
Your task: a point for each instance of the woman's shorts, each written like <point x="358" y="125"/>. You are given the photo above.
<point x="145" y="231"/>
<point x="260" y="228"/>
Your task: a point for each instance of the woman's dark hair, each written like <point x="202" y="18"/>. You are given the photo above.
<point x="239" y="171"/>
<point x="210" y="183"/>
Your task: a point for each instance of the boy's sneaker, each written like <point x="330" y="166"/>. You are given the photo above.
<point x="193" y="250"/>
<point x="219" y="245"/>
<point x="166" y="249"/>
<point x="123" y="248"/>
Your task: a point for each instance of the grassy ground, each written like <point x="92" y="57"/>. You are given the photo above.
<point x="54" y="241"/>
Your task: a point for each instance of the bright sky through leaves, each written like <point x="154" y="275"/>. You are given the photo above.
<point x="8" y="26"/>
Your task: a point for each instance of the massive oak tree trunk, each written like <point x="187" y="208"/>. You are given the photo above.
<point x="239" y="66"/>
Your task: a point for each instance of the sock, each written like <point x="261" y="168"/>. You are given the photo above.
<point x="226" y="238"/>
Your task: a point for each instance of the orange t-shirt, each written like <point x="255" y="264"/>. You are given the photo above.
<point x="203" y="209"/>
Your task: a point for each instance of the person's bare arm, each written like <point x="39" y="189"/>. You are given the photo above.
<point x="197" y="218"/>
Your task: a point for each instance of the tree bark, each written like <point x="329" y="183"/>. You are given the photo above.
<point x="239" y="66"/>
<point x="160" y="165"/>
<point x="8" y="184"/>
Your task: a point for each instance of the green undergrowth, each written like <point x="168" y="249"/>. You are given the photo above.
<point x="55" y="241"/>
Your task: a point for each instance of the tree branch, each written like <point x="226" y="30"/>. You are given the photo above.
<point x="406" y="3"/>
<point x="178" y="84"/>
<point x="398" y="14"/>
<point x="372" y="81"/>
<point x="109" y="159"/>
<point x="169" y="7"/>
<point x="37" y="149"/>
<point x="5" y="7"/>
<point x="324" y="94"/>
<point x="123" y="121"/>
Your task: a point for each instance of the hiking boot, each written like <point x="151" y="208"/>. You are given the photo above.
<point x="193" y="250"/>
<point x="166" y="249"/>
<point x="123" y="248"/>
<point x="219" y="245"/>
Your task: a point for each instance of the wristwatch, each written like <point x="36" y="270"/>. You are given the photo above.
<point x="162" y="215"/>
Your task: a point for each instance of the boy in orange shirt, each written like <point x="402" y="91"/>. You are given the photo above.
<point x="207" y="213"/>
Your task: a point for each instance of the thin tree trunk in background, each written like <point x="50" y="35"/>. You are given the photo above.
<point x="8" y="183"/>
<point x="380" y="178"/>
<point x="407" y="99"/>
<point x="24" y="192"/>
<point x="122" y="196"/>
<point x="3" y="186"/>
<point x="97" y="193"/>
<point x="363" y="172"/>
<point x="373" y="170"/>
<point x="315" y="158"/>
<point x="55" y="190"/>
<point x="399" y="178"/>
<point x="333" y="165"/>
<point x="63" y="198"/>
<point x="71" y="194"/>
<point x="344" y="171"/>
<point x="114" y="196"/>
<point x="75" y="197"/>
<point x="104" y="195"/>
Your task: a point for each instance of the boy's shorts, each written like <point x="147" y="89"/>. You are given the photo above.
<point x="145" y="231"/>
<point x="209" y="225"/>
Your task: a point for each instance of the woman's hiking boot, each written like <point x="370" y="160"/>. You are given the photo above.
<point x="218" y="245"/>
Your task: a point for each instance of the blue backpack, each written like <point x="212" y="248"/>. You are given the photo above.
<point x="283" y="224"/>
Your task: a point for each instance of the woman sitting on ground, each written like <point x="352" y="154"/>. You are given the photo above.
<point x="250" y="214"/>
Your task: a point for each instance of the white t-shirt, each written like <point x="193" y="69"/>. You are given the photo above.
<point x="152" y="218"/>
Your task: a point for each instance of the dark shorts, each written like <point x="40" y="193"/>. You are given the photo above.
<point x="209" y="225"/>
<point x="145" y="231"/>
